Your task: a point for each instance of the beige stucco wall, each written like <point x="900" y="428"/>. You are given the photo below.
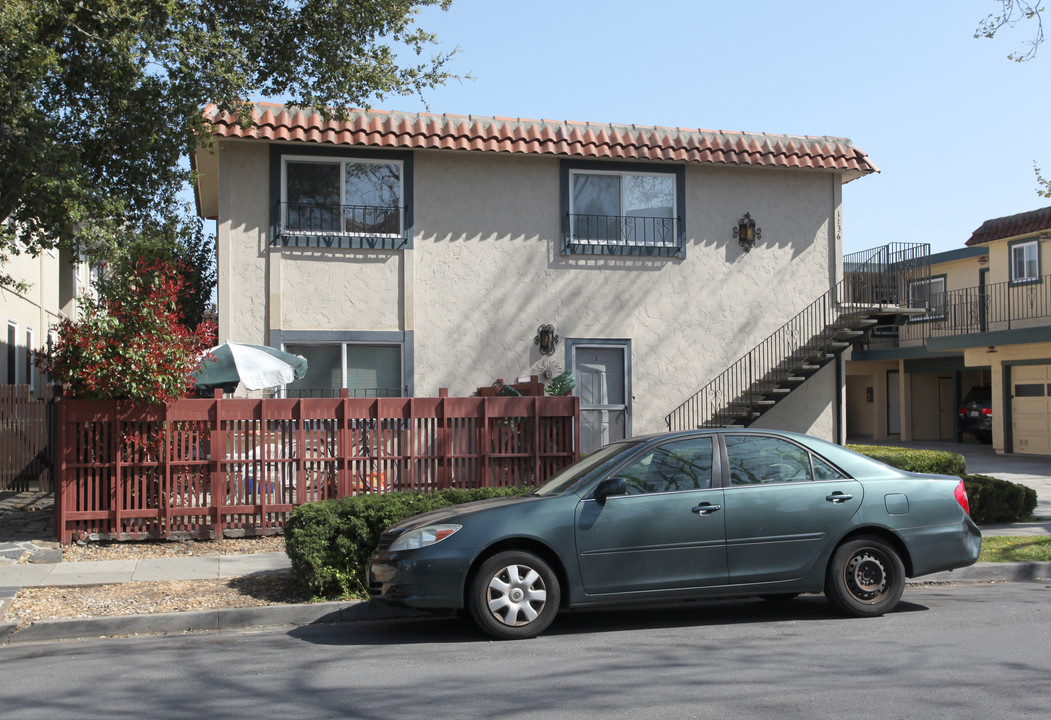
<point x="52" y="285"/>
<point x="487" y="269"/>
<point x="868" y="419"/>
<point x="961" y="273"/>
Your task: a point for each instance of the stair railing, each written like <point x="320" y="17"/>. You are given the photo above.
<point x="875" y="278"/>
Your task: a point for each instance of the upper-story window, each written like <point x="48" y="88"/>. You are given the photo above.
<point x="1025" y="261"/>
<point x="629" y="210"/>
<point x="929" y="294"/>
<point x="351" y="197"/>
<point x="341" y="199"/>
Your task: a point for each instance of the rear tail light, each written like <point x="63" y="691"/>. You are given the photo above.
<point x="987" y="411"/>
<point x="961" y="497"/>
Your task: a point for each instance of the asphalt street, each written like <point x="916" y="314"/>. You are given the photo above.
<point x="948" y="651"/>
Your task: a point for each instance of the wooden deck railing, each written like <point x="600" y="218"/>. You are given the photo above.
<point x="213" y="467"/>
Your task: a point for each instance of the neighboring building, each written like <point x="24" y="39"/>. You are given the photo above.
<point x="31" y="316"/>
<point x="403" y="253"/>
<point x="988" y="325"/>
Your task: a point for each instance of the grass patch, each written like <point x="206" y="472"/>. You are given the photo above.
<point x="1020" y="548"/>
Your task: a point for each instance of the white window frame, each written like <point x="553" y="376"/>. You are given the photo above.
<point x="343" y="345"/>
<point x="1025" y="247"/>
<point x="341" y="161"/>
<point x="672" y="242"/>
<point x="30" y="343"/>
<point x="12" y="354"/>
<point x="935" y="311"/>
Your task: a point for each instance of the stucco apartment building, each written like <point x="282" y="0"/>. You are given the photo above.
<point x="403" y="253"/>
<point x="987" y="324"/>
<point x="52" y="283"/>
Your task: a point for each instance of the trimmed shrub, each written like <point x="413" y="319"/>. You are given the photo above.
<point x="998" y="501"/>
<point x="329" y="542"/>
<point x="912" y="460"/>
<point x="992" y="500"/>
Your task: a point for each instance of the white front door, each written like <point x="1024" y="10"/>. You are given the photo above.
<point x="601" y="372"/>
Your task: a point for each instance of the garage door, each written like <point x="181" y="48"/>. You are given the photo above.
<point x="1031" y="409"/>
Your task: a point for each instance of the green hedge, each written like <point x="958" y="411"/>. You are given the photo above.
<point x="998" y="501"/>
<point x="329" y="542"/>
<point x="992" y="500"/>
<point x="913" y="460"/>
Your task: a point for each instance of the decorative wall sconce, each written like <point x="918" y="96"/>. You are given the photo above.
<point x="546" y="339"/>
<point x="747" y="233"/>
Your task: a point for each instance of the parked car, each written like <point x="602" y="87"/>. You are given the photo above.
<point x="683" y="515"/>
<point x="976" y="415"/>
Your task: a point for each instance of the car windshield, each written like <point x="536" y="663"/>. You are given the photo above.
<point x="576" y="473"/>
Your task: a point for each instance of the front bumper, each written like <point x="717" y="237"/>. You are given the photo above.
<point x="432" y="577"/>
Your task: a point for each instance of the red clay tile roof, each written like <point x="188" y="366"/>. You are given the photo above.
<point x="1012" y="226"/>
<point x="546" y="137"/>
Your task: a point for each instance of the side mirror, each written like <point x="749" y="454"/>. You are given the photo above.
<point x="610" y="487"/>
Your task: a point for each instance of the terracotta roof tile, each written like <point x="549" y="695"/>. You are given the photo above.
<point x="545" y="137"/>
<point x="1012" y="226"/>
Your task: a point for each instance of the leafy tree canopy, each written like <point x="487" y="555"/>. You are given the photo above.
<point x="100" y="100"/>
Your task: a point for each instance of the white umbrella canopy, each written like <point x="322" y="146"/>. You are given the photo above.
<point x="257" y="366"/>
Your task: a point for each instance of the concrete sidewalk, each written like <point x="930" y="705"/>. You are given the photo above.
<point x="156" y="569"/>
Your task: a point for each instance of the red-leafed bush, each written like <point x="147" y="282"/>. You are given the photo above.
<point x="130" y="341"/>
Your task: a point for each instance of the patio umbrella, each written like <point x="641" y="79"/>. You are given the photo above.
<point x="257" y="366"/>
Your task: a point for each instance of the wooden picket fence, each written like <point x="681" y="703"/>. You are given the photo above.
<point x="207" y="468"/>
<point x="26" y="430"/>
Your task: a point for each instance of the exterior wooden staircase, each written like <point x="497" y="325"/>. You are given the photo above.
<point x="874" y="292"/>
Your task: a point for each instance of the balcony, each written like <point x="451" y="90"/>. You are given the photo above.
<point x="623" y="235"/>
<point x="995" y="307"/>
<point x="341" y="226"/>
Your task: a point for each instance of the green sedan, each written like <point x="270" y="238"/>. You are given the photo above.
<point x="717" y="513"/>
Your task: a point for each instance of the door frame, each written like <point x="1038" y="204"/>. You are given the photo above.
<point x="894" y="401"/>
<point x="571" y="345"/>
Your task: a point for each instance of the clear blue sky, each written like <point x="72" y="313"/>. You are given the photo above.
<point x="953" y="124"/>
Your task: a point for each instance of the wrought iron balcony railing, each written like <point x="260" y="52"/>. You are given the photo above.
<point x="993" y="307"/>
<point x="342" y="225"/>
<point x="625" y="230"/>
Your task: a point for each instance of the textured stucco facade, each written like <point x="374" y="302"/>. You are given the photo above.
<point x="52" y="284"/>
<point x="486" y="267"/>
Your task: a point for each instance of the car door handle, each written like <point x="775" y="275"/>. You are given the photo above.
<point x="706" y="508"/>
<point x="838" y="497"/>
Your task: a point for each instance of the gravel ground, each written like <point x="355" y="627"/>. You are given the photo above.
<point x="169" y="548"/>
<point x="139" y="598"/>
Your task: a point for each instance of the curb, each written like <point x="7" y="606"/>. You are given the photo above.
<point x="359" y="611"/>
<point x="201" y="621"/>
<point x="990" y="572"/>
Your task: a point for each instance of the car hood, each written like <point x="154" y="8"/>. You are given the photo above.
<point x="455" y="512"/>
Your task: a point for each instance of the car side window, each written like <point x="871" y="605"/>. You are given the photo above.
<point x="759" y="460"/>
<point x="672" y="467"/>
<point x="824" y="471"/>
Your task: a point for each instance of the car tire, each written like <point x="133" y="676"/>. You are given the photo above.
<point x="865" y="578"/>
<point x="514" y="595"/>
